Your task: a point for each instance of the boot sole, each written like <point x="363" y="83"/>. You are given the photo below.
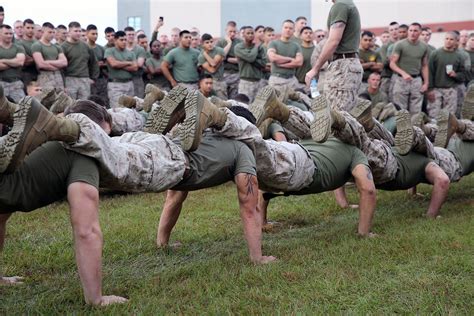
<point x="321" y="125"/>
<point x="187" y="133"/>
<point x="162" y="119"/>
<point x="363" y="114"/>
<point x="24" y="120"/>
<point x="467" y="111"/>
<point x="257" y="107"/>
<point x="441" y="138"/>
<point x="404" y="136"/>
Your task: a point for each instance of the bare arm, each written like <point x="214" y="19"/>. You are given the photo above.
<point x="154" y="71"/>
<point x="295" y="62"/>
<point x="41" y="64"/>
<point x="140" y="61"/>
<point x="228" y="46"/>
<point x="29" y="60"/>
<point x="277" y="59"/>
<point x="3" y="230"/>
<point x="169" y="215"/>
<point x="133" y="67"/>
<point x="366" y="187"/>
<point x="393" y="65"/>
<point x="425" y="74"/>
<point x="166" y="72"/>
<point x="3" y="66"/>
<point x="59" y="63"/>
<point x="334" y="38"/>
<point x="213" y="62"/>
<point x="18" y="61"/>
<point x="83" y="201"/>
<point x="440" y="181"/>
<point x="209" y="68"/>
<point x="114" y="63"/>
<point x="247" y="189"/>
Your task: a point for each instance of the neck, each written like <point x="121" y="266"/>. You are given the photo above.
<point x="27" y="38"/>
<point x="371" y="90"/>
<point x="284" y="39"/>
<point x="45" y="41"/>
<point x="91" y="43"/>
<point x="452" y="49"/>
<point x="412" y="41"/>
<point x="71" y="40"/>
<point x="306" y="43"/>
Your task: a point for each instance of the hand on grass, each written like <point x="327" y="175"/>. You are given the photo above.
<point x="14" y="280"/>
<point x="112" y="299"/>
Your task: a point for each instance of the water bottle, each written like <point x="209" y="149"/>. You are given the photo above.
<point x="314" y="88"/>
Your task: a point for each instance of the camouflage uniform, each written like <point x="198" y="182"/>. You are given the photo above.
<point x="445" y="98"/>
<point x="51" y="79"/>
<point x="189" y="86"/>
<point x="126" y="120"/>
<point x="100" y="88"/>
<point x="250" y="88"/>
<point x="343" y="79"/>
<point x="231" y="79"/>
<point x="14" y="90"/>
<point x="281" y="166"/>
<point x="220" y="88"/>
<point x="407" y="93"/>
<point x="116" y="89"/>
<point x="277" y="82"/>
<point x="78" y="87"/>
<point x="448" y="162"/>
<point x="133" y="162"/>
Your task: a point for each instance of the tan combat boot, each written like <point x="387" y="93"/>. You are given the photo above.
<point x="127" y="101"/>
<point x="152" y="94"/>
<point x="47" y="97"/>
<point x="170" y="112"/>
<point x="362" y="112"/>
<point x="61" y="103"/>
<point x="405" y="135"/>
<point x="266" y="105"/>
<point x="448" y="125"/>
<point x="7" y="109"/>
<point x="219" y="102"/>
<point x="200" y="114"/>
<point x="38" y="125"/>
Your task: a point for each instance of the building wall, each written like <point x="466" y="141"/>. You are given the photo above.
<point x="133" y="8"/>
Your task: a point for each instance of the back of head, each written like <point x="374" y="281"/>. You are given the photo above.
<point x="92" y="110"/>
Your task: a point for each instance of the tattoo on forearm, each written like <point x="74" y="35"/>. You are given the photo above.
<point x="369" y="174"/>
<point x="338" y="25"/>
<point x="250" y="190"/>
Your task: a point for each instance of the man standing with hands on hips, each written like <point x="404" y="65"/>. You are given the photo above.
<point x="344" y="73"/>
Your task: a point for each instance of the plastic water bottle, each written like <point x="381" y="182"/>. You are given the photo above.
<point x="314" y="88"/>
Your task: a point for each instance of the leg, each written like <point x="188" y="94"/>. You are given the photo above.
<point x="247" y="190"/>
<point x="3" y="230"/>
<point x="401" y="91"/>
<point x="84" y="205"/>
<point x="433" y="107"/>
<point x="416" y="97"/>
<point x="169" y="216"/>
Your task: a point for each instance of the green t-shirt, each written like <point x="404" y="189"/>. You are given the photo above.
<point x="411" y="55"/>
<point x="301" y="71"/>
<point x="385" y="52"/>
<point x="119" y="55"/>
<point x="346" y="11"/>
<point x="81" y="60"/>
<point x="334" y="161"/>
<point x="232" y="68"/>
<point x="219" y="74"/>
<point x="439" y="59"/>
<point x="252" y="61"/>
<point x="184" y="63"/>
<point x="27" y="47"/>
<point x="464" y="152"/>
<point x="49" y="52"/>
<point x="10" y="53"/>
<point x="471" y="58"/>
<point x="411" y="171"/>
<point x="158" y="79"/>
<point x="217" y="160"/>
<point x="44" y="177"/>
<point x="369" y="56"/>
<point x="378" y="97"/>
<point x="139" y="52"/>
<point x="288" y="49"/>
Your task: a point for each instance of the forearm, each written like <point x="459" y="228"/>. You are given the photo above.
<point x="248" y="56"/>
<point x="166" y="72"/>
<point x="366" y="212"/>
<point x="169" y="216"/>
<point x="326" y="53"/>
<point x="396" y="69"/>
<point x="425" y="74"/>
<point x="57" y="63"/>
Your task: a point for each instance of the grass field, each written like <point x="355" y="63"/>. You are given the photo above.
<point x="415" y="265"/>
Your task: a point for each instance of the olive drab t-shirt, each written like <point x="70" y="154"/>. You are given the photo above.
<point x="10" y="53"/>
<point x="184" y="64"/>
<point x="219" y="74"/>
<point x="464" y="152"/>
<point x="346" y="11"/>
<point x="120" y="55"/>
<point x="438" y="61"/>
<point x="288" y="49"/>
<point x="81" y="60"/>
<point x="49" y="52"/>
<point x="410" y="55"/>
<point x="301" y="71"/>
<point x="229" y="67"/>
<point x="369" y="56"/>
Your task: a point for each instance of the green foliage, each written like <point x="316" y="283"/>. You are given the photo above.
<point x="416" y="265"/>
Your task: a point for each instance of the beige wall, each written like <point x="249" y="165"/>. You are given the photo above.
<point x="377" y="13"/>
<point x="203" y="14"/>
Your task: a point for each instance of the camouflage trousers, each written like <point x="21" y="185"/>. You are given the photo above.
<point x="51" y="79"/>
<point x="379" y="153"/>
<point x="278" y="82"/>
<point x="99" y="87"/>
<point x="189" y="86"/>
<point x="138" y="87"/>
<point x="14" y="90"/>
<point x="133" y="162"/>
<point x="431" y="129"/>
<point x="322" y="80"/>
<point x="116" y="89"/>
<point x="78" y="88"/>
<point x="220" y="88"/>
<point x="232" y="81"/>
<point x="343" y="79"/>
<point x="126" y="120"/>
<point x="461" y="90"/>
<point x="445" y="98"/>
<point x="386" y="87"/>
<point x="281" y="166"/>
<point x="448" y="162"/>
<point x="249" y="88"/>
<point x="407" y="93"/>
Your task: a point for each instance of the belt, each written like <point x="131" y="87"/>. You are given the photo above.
<point x="413" y="76"/>
<point x="10" y="80"/>
<point x="120" y="80"/>
<point x="344" y="56"/>
<point x="188" y="82"/>
<point x="283" y="76"/>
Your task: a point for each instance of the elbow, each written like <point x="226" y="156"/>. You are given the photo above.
<point x="442" y="182"/>
<point x="368" y="190"/>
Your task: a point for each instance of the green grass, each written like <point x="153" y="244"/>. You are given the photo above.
<point x="415" y="266"/>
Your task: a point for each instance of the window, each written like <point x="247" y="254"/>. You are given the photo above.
<point x="135" y="22"/>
